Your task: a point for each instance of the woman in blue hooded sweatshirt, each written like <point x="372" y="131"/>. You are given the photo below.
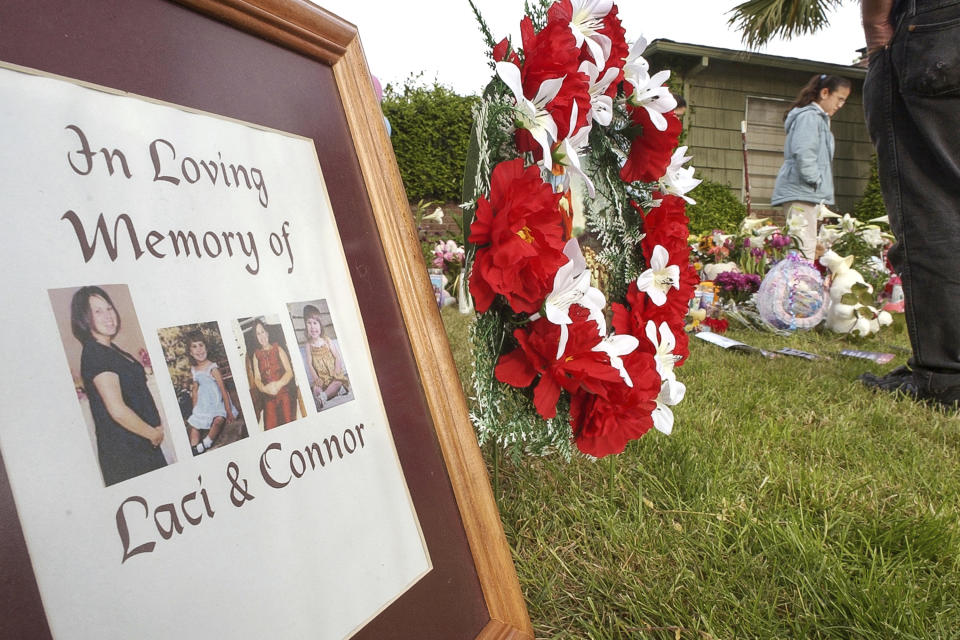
<point x="806" y="177"/>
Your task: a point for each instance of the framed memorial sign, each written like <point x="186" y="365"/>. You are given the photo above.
<point x="225" y="412"/>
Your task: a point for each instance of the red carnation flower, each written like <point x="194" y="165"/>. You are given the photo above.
<point x="578" y="368"/>
<point x="550" y="54"/>
<point x="650" y="152"/>
<point x="604" y="423"/>
<point x="522" y="237"/>
<point x="666" y="225"/>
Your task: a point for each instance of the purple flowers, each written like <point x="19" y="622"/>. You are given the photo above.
<point x="778" y="241"/>
<point x="737" y="286"/>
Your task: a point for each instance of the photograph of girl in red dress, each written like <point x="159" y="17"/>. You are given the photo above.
<point x="273" y="388"/>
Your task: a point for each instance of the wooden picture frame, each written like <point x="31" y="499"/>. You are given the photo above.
<point x="312" y="40"/>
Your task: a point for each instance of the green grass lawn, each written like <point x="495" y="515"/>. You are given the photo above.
<point x="790" y="502"/>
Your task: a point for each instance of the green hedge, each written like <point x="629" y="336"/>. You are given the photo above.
<point x="716" y="208"/>
<point x="431" y="131"/>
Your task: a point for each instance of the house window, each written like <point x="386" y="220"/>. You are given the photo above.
<point x="765" y="138"/>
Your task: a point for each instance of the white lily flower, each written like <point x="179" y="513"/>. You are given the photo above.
<point x="649" y="91"/>
<point x="823" y="212"/>
<point x="828" y="235"/>
<point x="664" y="358"/>
<point x="585" y="23"/>
<point x="872" y="236"/>
<point x="849" y="223"/>
<point x="615" y="347"/>
<point x="671" y="393"/>
<point x="720" y="238"/>
<point x="571" y="285"/>
<point x="759" y="236"/>
<point x="679" y="180"/>
<point x="436" y="216"/>
<point x="568" y="152"/>
<point x="751" y="224"/>
<point x="662" y="418"/>
<point x="658" y="279"/>
<point x="884" y="318"/>
<point x="796" y="223"/>
<point x="653" y="96"/>
<point x="601" y="105"/>
<point x="635" y="63"/>
<point x="883" y="219"/>
<point x="534" y="116"/>
<point x="763" y="232"/>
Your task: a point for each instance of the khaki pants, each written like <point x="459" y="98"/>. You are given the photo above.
<point x="808" y="238"/>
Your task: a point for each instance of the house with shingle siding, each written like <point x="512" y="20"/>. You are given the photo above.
<point x="727" y="89"/>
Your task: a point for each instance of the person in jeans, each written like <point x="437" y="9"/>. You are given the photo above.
<point x="912" y="104"/>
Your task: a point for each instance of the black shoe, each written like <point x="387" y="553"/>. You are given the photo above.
<point x="946" y="397"/>
<point x="903" y="380"/>
<point x="899" y="380"/>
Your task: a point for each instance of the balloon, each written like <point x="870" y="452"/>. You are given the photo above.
<point x="791" y="295"/>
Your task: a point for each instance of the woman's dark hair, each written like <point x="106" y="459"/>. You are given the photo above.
<point x="195" y="336"/>
<point x="811" y="91"/>
<point x="253" y="332"/>
<point x="251" y="339"/>
<point x="81" y="320"/>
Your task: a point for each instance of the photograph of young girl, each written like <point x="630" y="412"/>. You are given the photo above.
<point x="204" y="384"/>
<point x="114" y="380"/>
<point x="322" y="358"/>
<point x="270" y="377"/>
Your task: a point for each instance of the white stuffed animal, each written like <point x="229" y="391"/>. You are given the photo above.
<point x="858" y="318"/>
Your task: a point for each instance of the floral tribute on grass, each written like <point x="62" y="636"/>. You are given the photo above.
<point x="573" y="121"/>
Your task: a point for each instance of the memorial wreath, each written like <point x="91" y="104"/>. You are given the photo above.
<point x="573" y="121"/>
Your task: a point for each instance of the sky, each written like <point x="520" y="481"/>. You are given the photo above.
<point x="441" y="39"/>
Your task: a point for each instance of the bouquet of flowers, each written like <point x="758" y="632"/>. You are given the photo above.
<point x="576" y="110"/>
<point x="737" y="287"/>
<point x="448" y="257"/>
<point x="759" y="245"/>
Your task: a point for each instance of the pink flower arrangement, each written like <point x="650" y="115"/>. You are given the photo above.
<point x="446" y="254"/>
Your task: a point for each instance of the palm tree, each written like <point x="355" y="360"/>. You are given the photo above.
<point x="762" y="20"/>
